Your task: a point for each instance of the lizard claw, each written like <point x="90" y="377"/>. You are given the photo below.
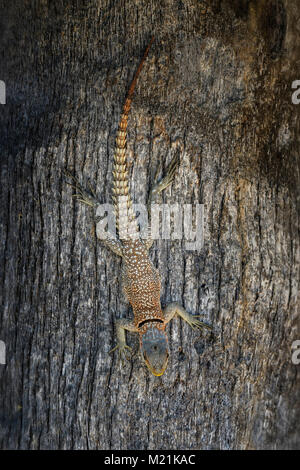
<point x="88" y="198"/>
<point x="172" y="167"/>
<point x="170" y="174"/>
<point x="194" y="323"/>
<point x="122" y="349"/>
<point x="168" y="178"/>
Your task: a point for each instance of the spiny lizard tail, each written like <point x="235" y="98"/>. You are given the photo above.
<point x="125" y="218"/>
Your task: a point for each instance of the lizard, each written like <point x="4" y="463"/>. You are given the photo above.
<point x="140" y="279"/>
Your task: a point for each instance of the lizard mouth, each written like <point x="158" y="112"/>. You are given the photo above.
<point x="156" y="372"/>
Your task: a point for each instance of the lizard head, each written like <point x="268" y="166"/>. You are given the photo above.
<point x="154" y="348"/>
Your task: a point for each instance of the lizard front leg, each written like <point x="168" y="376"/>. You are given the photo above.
<point x="123" y="324"/>
<point x="175" y="308"/>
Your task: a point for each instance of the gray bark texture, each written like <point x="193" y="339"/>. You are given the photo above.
<point x="217" y="85"/>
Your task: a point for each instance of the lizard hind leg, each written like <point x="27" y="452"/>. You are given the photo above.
<point x="87" y="197"/>
<point x="158" y="187"/>
<point x="165" y="182"/>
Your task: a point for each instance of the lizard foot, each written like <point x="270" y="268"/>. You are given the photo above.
<point x="168" y="178"/>
<point x="87" y="197"/>
<point x="194" y="323"/>
<point x="122" y="349"/>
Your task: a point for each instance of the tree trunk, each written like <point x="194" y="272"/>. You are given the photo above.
<point x="217" y="85"/>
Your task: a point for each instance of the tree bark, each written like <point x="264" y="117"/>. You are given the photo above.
<point x="217" y="85"/>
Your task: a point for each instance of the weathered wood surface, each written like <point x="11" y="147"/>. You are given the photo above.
<point x="217" y="85"/>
